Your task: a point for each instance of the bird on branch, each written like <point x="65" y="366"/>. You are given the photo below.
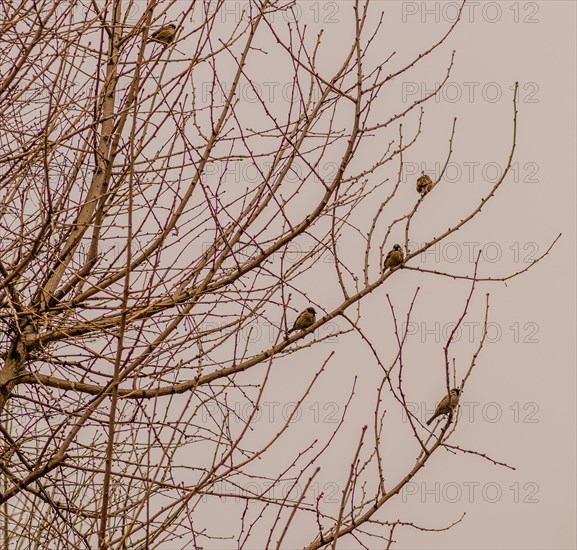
<point x="395" y="257"/>
<point x="305" y="319"/>
<point x="165" y="35"/>
<point x="447" y="405"/>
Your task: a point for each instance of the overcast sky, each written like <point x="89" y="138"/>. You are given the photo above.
<point x="520" y="404"/>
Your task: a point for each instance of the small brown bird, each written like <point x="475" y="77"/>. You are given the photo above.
<point x="395" y="257"/>
<point x="305" y="319"/>
<point x="165" y="35"/>
<point x="447" y="404"/>
<point x="424" y="184"/>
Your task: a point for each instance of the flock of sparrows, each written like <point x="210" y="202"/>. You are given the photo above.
<point x="393" y="260"/>
<point x="165" y="35"/>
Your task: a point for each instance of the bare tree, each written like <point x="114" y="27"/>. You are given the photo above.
<point x="143" y="290"/>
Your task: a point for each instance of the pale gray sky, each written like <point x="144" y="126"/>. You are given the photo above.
<point x="519" y="406"/>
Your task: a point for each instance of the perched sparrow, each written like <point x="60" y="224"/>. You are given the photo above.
<point x="424" y="184"/>
<point x="305" y="319"/>
<point x="165" y="35"/>
<point x="395" y="257"/>
<point x="447" y="404"/>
